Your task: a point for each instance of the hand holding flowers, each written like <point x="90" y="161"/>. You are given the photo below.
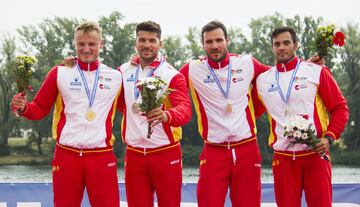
<point x="153" y="91"/>
<point x="23" y="72"/>
<point x="300" y="131"/>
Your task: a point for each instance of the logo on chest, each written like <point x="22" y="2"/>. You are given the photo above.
<point x="300" y="86"/>
<point x="209" y="79"/>
<point x="131" y="78"/>
<point x="76" y="82"/>
<point x="273" y="87"/>
<point x="104" y="86"/>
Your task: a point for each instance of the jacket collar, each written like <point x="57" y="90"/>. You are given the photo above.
<point x="84" y="66"/>
<point x="290" y="65"/>
<point x="160" y="58"/>
<point x="221" y="64"/>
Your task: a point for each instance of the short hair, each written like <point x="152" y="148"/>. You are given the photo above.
<point x="88" y="26"/>
<point x="280" y="30"/>
<point x="212" y="26"/>
<point x="149" y="26"/>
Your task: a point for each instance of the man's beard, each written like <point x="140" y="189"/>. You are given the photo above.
<point x="222" y="57"/>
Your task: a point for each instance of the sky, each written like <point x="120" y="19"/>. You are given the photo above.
<point x="175" y="17"/>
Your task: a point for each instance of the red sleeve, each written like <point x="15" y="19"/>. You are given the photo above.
<point x="258" y="68"/>
<point x="44" y="99"/>
<point x="259" y="107"/>
<point x="120" y="105"/>
<point x="185" y="71"/>
<point x="335" y="103"/>
<point x="180" y="113"/>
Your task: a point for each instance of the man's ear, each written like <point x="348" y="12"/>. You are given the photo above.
<point x="296" y="46"/>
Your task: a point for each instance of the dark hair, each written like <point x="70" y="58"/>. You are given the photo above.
<point x="149" y="26"/>
<point x="212" y="26"/>
<point x="280" y="30"/>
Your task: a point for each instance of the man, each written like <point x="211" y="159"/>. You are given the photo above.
<point x="220" y="84"/>
<point x="297" y="87"/>
<point x="153" y="164"/>
<point x="85" y="103"/>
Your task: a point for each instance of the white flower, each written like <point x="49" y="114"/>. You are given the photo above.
<point x="150" y="79"/>
<point x="150" y="86"/>
<point x="297" y="134"/>
<point x="304" y="136"/>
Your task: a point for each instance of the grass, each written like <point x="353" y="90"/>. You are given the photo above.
<point x="22" y="155"/>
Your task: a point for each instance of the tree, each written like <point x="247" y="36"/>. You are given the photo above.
<point x="175" y="51"/>
<point x="119" y="40"/>
<point x="6" y="91"/>
<point x="350" y="65"/>
<point x="194" y="43"/>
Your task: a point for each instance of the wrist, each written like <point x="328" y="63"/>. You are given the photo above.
<point x="330" y="139"/>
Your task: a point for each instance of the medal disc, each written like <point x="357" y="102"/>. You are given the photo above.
<point x="90" y="115"/>
<point x="229" y="108"/>
<point x="135" y="108"/>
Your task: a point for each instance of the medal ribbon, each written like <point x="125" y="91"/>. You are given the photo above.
<point x="136" y="90"/>
<point x="91" y="97"/>
<point x="286" y="99"/>
<point x="217" y="81"/>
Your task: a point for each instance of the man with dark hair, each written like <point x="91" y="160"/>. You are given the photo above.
<point x="155" y="164"/>
<point x="82" y="123"/>
<point x="220" y="85"/>
<point x="295" y="87"/>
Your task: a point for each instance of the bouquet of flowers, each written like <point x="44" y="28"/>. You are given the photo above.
<point x="326" y="38"/>
<point x="153" y="92"/>
<point x="23" y="72"/>
<point x="300" y="131"/>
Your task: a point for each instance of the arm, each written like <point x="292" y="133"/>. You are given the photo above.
<point x="43" y="100"/>
<point x="120" y="101"/>
<point x="335" y="104"/>
<point x="258" y="69"/>
<point x="259" y="107"/>
<point x="180" y="111"/>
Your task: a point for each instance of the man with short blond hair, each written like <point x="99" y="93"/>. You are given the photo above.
<point x="85" y="99"/>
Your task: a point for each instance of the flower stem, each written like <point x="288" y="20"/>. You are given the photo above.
<point x="149" y="130"/>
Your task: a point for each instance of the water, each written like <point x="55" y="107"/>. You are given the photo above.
<point x="40" y="174"/>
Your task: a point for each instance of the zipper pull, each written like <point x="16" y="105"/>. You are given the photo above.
<point x="228" y="145"/>
<point x="293" y="154"/>
<point x="81" y="152"/>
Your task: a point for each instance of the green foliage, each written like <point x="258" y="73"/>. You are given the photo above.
<point x="175" y="51"/>
<point x="119" y="39"/>
<point x="350" y="71"/>
<point x="191" y="155"/>
<point x="7" y="79"/>
<point x="52" y="40"/>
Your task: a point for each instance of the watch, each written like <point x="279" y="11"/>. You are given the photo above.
<point x="331" y="140"/>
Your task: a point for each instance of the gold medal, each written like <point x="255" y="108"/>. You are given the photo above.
<point x="90" y="115"/>
<point x="228" y="108"/>
<point x="135" y="108"/>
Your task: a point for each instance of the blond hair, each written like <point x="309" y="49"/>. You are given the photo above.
<point x="88" y="26"/>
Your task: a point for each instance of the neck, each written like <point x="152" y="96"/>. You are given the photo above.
<point x="285" y="61"/>
<point x="145" y="63"/>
